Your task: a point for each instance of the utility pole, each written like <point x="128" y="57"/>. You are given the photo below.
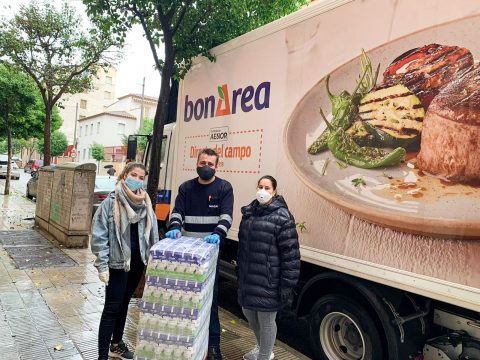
<point x="75" y="133"/>
<point x="75" y="128"/>
<point x="141" y="108"/>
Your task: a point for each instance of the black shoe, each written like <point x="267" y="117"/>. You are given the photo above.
<point x="120" y="351"/>
<point x="214" y="353"/>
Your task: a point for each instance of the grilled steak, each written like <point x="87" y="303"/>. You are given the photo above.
<point x="427" y="69"/>
<point x="450" y="146"/>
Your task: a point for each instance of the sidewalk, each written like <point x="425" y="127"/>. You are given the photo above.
<point x="53" y="312"/>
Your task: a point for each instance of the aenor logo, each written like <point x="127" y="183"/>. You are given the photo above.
<point x="219" y="134"/>
<point x="244" y="100"/>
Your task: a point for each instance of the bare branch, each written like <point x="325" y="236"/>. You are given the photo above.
<point x="148" y="34"/>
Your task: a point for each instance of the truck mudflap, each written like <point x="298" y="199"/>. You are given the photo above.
<point x="162" y="209"/>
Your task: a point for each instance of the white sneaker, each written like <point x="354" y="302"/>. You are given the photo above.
<point x="253" y="354"/>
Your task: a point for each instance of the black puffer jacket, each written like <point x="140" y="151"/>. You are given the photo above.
<point x="268" y="256"/>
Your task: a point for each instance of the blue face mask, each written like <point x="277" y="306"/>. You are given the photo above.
<point x="133" y="184"/>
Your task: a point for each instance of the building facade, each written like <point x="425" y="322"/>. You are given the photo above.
<point x="110" y="126"/>
<point x="89" y="103"/>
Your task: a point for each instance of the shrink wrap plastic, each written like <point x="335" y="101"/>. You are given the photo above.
<point x="177" y="298"/>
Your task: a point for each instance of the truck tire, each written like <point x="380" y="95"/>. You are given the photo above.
<point x="341" y="329"/>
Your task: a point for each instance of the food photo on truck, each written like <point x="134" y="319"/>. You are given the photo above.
<point x="372" y="128"/>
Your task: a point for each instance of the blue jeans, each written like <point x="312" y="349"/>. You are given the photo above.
<point x="214" y="329"/>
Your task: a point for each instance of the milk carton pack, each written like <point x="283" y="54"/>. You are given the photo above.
<point x="177" y="298"/>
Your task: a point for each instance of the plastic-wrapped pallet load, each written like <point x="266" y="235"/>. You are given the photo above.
<point x="175" y="309"/>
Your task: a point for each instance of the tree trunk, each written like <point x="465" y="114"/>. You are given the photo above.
<point x="161" y="114"/>
<point x="47" y="134"/>
<point x="9" y="160"/>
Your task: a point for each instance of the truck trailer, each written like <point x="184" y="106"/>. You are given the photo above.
<point x="390" y="242"/>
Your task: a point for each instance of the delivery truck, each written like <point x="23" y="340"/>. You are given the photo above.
<point x="366" y="112"/>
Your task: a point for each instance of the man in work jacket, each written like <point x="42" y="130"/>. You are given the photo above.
<point x="203" y="208"/>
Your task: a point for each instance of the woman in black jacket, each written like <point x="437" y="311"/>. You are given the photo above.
<point x="268" y="264"/>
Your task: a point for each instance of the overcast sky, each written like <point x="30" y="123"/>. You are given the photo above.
<point x="137" y="62"/>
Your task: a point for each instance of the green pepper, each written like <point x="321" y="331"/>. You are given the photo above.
<point x="345" y="149"/>
<point x="344" y="110"/>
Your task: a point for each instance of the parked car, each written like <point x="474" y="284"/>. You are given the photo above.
<point x="15" y="172"/>
<point x="32" y="186"/>
<point x="104" y="185"/>
<point x="33" y="165"/>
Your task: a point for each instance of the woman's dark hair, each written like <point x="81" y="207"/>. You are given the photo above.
<point x="129" y="167"/>
<point x="272" y="180"/>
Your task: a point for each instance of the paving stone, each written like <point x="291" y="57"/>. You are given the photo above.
<point x="16" y="313"/>
<point x="9" y="353"/>
<point x="29" y="249"/>
<point x="52" y="333"/>
<point x="35" y="353"/>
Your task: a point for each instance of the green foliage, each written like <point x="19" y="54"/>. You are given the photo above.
<point x="59" y="144"/>
<point x="146" y="129"/>
<point x="98" y="151"/>
<point x="194" y="26"/>
<point x="17" y="146"/>
<point x="16" y="100"/>
<point x="50" y="45"/>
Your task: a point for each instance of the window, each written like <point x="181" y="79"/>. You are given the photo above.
<point x="146" y="112"/>
<point x="108" y="80"/>
<point x="107" y="95"/>
<point x="84" y="153"/>
<point x="89" y="153"/>
<point x="91" y="129"/>
<point x="121" y="129"/>
<point x="98" y="128"/>
<point x="83" y="104"/>
<point x="80" y="132"/>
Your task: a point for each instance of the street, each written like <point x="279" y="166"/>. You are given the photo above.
<point x="52" y="311"/>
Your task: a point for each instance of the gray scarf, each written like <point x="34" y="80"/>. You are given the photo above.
<point x="130" y="208"/>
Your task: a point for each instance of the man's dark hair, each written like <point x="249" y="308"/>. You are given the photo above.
<point x="209" y="152"/>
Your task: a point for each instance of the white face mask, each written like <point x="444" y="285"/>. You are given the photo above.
<point x="263" y="196"/>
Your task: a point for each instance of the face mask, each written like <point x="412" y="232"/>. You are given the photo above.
<point x="133" y="184"/>
<point x="263" y="196"/>
<point x="205" y="172"/>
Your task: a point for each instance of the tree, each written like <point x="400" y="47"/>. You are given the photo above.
<point x="98" y="153"/>
<point x="146" y="129"/>
<point x="59" y="145"/>
<point x="16" y="97"/>
<point x="52" y="48"/>
<point x="186" y="28"/>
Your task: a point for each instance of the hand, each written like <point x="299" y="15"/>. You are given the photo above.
<point x="173" y="234"/>
<point x="212" y="239"/>
<point x="104" y="277"/>
<point x="285" y="295"/>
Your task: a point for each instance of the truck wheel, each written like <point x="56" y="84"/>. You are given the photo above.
<point x="341" y="329"/>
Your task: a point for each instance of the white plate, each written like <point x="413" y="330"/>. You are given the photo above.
<point x="426" y="205"/>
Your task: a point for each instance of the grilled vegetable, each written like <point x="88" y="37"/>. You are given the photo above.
<point x="344" y="105"/>
<point x="361" y="135"/>
<point x="345" y="149"/>
<point x="395" y="115"/>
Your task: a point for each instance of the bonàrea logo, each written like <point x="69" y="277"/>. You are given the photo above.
<point x="242" y="99"/>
